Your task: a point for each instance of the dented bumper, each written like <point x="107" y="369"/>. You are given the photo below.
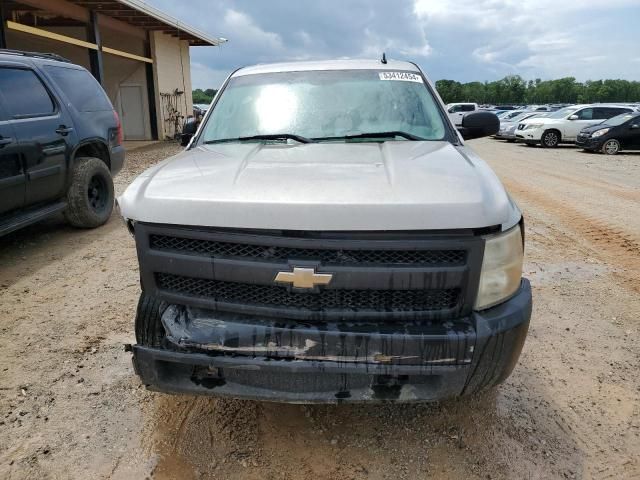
<point x="220" y="354"/>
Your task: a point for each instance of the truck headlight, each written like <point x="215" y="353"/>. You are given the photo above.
<point x="501" y="268"/>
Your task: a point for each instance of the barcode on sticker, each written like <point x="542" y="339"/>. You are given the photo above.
<point x="400" y="76"/>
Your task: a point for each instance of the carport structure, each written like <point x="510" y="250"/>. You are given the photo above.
<point x="139" y="54"/>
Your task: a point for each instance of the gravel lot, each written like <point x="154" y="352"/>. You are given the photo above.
<point x="71" y="406"/>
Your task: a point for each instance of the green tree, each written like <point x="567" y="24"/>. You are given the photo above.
<point x="200" y="96"/>
<point x="514" y="90"/>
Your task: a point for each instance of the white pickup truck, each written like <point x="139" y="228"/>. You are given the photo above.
<point x="326" y="236"/>
<point x="457" y="111"/>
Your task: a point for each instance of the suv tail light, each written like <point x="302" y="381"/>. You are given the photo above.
<point x="119" y="135"/>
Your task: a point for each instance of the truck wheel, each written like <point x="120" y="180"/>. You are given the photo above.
<point x="149" y="328"/>
<point x="90" y="196"/>
<point x="550" y="139"/>
<point x="611" y="147"/>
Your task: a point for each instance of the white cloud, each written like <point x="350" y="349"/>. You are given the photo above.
<point x="533" y="38"/>
<point x="458" y="39"/>
<point x="203" y="76"/>
<point x="375" y="44"/>
<point x="245" y="28"/>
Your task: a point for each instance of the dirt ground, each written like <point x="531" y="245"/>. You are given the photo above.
<point x="71" y="406"/>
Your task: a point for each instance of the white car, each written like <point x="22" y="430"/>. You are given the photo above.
<point x="458" y="110"/>
<point x="564" y="125"/>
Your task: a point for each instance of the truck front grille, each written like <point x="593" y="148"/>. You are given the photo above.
<point x="215" y="248"/>
<point x="281" y="297"/>
<point x="375" y="275"/>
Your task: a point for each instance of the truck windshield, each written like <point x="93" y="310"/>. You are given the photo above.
<point x="342" y="105"/>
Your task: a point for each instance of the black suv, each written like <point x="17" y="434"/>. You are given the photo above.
<point x="60" y="142"/>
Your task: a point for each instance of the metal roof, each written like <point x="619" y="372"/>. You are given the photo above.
<point x="142" y="15"/>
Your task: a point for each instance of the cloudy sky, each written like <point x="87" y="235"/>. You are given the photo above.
<point x="463" y="40"/>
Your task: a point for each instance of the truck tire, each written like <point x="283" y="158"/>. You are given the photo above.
<point x="90" y="195"/>
<point x="149" y="328"/>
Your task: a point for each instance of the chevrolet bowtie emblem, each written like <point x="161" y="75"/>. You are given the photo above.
<point x="303" y="278"/>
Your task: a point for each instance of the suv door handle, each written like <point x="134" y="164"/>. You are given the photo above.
<point x="64" y="130"/>
<point x="5" y="141"/>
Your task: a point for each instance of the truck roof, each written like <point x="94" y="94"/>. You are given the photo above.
<point x="327" y="65"/>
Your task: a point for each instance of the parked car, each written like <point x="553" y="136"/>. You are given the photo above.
<point x="508" y="127"/>
<point x="613" y="135"/>
<point x="457" y="111"/>
<point x="507" y="115"/>
<point x="327" y="237"/>
<point x="60" y="142"/>
<point x="564" y="125"/>
<point x="540" y="108"/>
<point x="199" y="109"/>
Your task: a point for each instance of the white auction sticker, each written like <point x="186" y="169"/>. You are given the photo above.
<point x="400" y="76"/>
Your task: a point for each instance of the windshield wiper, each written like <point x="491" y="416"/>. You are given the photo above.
<point x="273" y="136"/>
<point x="392" y="134"/>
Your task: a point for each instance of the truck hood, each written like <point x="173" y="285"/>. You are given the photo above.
<point x="395" y="185"/>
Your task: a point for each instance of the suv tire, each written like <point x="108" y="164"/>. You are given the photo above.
<point x="550" y="139"/>
<point x="149" y="328"/>
<point x="90" y="195"/>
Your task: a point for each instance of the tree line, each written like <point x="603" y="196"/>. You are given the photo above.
<point x="513" y="89"/>
<point x="203" y="96"/>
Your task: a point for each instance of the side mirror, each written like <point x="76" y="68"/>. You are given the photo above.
<point x="635" y="126"/>
<point x="188" y="131"/>
<point x="479" y="124"/>
<point x="451" y="110"/>
<point x="573" y="117"/>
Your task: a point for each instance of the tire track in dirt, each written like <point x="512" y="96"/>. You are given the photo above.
<point x="614" y="245"/>
<point x="623" y="193"/>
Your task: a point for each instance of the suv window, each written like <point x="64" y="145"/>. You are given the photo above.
<point x="585" y="114"/>
<point x="81" y="88"/>
<point x="24" y="94"/>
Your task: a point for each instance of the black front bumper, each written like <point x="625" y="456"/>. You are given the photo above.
<point x="337" y="362"/>
<point x="589" y="143"/>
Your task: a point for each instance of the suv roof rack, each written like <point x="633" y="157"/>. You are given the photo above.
<point x="48" y="56"/>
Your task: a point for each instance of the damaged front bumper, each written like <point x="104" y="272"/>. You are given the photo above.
<point x="220" y="354"/>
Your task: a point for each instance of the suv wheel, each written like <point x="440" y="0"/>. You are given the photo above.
<point x="90" y="196"/>
<point x="149" y="328"/>
<point x="550" y="139"/>
<point x="611" y="147"/>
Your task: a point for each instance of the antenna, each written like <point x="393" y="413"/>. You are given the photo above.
<point x="384" y="58"/>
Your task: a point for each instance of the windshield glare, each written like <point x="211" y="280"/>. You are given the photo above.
<point x="521" y="116"/>
<point x="320" y="104"/>
<point x="619" y="119"/>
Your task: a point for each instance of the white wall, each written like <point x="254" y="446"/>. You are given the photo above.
<point x="171" y="72"/>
